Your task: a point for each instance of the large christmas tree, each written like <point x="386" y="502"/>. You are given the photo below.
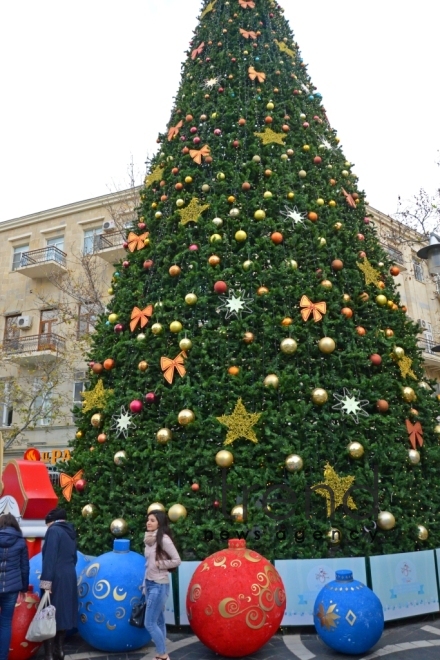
<point x="256" y="367"/>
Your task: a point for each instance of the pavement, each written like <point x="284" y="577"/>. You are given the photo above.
<point x="414" y="639"/>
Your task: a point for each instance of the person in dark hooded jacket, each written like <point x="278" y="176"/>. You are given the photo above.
<point x="58" y="576"/>
<point x="14" y="576"/>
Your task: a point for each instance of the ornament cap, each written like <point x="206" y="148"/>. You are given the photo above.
<point x="121" y="545"/>
<point x="344" y="576"/>
<point x="236" y="543"/>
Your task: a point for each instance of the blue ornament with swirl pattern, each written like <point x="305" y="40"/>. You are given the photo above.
<point x="348" y="616"/>
<point x="108" y="588"/>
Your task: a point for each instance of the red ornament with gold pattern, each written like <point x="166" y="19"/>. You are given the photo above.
<point x="24" y="612"/>
<point x="235" y="601"/>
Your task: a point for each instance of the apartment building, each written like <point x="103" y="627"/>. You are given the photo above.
<point x="40" y="252"/>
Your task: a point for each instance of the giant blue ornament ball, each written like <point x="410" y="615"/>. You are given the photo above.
<point x="108" y="588"/>
<point x="35" y="565"/>
<point x="348" y="616"/>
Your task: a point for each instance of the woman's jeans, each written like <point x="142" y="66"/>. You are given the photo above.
<point x="7" y="606"/>
<point x="156" y="597"/>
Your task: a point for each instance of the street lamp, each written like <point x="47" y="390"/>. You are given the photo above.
<point x="431" y="253"/>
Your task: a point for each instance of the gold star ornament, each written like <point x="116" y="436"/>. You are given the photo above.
<point x="327" y="619"/>
<point x="270" y="137"/>
<point x="209" y="7"/>
<point x="96" y="398"/>
<point x="156" y="175"/>
<point x="240" y="424"/>
<point x="337" y="488"/>
<point x="192" y="212"/>
<point x="405" y="367"/>
<point x="372" y="275"/>
<point x="284" y="48"/>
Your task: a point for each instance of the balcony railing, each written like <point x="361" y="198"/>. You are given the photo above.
<point x="109" y="246"/>
<point x="40" y="263"/>
<point x="34" y="344"/>
<point x="395" y="255"/>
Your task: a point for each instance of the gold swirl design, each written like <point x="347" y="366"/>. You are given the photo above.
<point x="235" y="563"/>
<point x="99" y="587"/>
<point x="280" y="596"/>
<point x="252" y="556"/>
<point x="99" y="618"/>
<point x="220" y="562"/>
<point x="92" y="570"/>
<point x="209" y="610"/>
<point x="120" y="612"/>
<point x="83" y="618"/>
<point x="196" y="592"/>
<point x="109" y="626"/>
<point x="88" y="606"/>
<point x="205" y="567"/>
<point x="117" y="595"/>
<point x="83" y="590"/>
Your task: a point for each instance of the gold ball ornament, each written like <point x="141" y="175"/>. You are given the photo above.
<point x="156" y="506"/>
<point x="176" y="327"/>
<point x="326" y="345"/>
<point x="326" y="284"/>
<point x="89" y="511"/>
<point x="224" y="458"/>
<point x="337" y="226"/>
<point x="422" y="533"/>
<point x="176" y="512"/>
<point x="185" y="344"/>
<point x="185" y="417"/>
<point x="248" y="337"/>
<point x="286" y="321"/>
<point x="120" y="457"/>
<point x="156" y="329"/>
<point x="291" y="263"/>
<point x="96" y="420"/>
<point x="163" y="436"/>
<point x="271" y="381"/>
<point x="381" y="300"/>
<point x="355" y="449"/>
<point x="319" y="396"/>
<point x="240" y="236"/>
<point x="190" y="298"/>
<point x="78" y="435"/>
<point x="294" y="463"/>
<point x="112" y="318"/>
<point x="424" y="386"/>
<point x="180" y="203"/>
<point x="288" y="346"/>
<point x="386" y="520"/>
<point x="408" y="394"/>
<point x="247" y="265"/>
<point x="215" y="238"/>
<point x="333" y="536"/>
<point x="237" y="513"/>
<point x="143" y="365"/>
<point x="262" y="291"/>
<point x="398" y="352"/>
<point x="414" y="456"/>
<point x="140" y="337"/>
<point x="118" y="527"/>
<point x="437" y="429"/>
<point x="259" y="214"/>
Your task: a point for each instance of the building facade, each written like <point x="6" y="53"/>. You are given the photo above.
<point x="43" y="316"/>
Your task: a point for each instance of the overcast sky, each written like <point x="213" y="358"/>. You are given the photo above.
<point x="87" y="85"/>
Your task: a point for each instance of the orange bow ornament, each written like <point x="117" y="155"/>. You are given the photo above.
<point x="317" y="309"/>
<point x="247" y="4"/>
<point x="197" y="51"/>
<point x="168" y="366"/>
<point x="198" y="154"/>
<point x="259" y="75"/>
<point x="415" y="433"/>
<point x="247" y="34"/>
<point x="140" y="316"/>
<point x="349" y="199"/>
<point x="174" y="130"/>
<point x="67" y="483"/>
<point x="136" y="242"/>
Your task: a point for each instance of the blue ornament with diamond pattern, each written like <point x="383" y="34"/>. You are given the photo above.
<point x="348" y="616"/>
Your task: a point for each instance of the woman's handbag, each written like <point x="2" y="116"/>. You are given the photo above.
<point x="43" y="625"/>
<point x="138" y="613"/>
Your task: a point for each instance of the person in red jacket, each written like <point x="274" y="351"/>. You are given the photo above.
<point x="161" y="556"/>
<point x="14" y="576"/>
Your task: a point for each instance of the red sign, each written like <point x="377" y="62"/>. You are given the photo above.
<point x="31" y="454"/>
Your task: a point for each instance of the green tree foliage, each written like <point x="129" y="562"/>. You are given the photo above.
<point x="242" y="76"/>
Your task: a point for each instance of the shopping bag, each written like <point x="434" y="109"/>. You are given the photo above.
<point x="138" y="613"/>
<point x="43" y="625"/>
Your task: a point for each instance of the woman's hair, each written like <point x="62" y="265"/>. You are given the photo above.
<point x="163" y="529"/>
<point x="8" y="520"/>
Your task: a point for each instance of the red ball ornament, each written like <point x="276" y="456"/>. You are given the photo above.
<point x="193" y="129"/>
<point x="375" y="359"/>
<point x="337" y="264"/>
<point x="118" y="328"/>
<point x="216" y="504"/>
<point x="24" y="611"/>
<point x="382" y="405"/>
<point x="360" y="237"/>
<point x="149" y="263"/>
<point x="125" y="264"/>
<point x="236" y="144"/>
<point x="235" y="601"/>
<point x="150" y="398"/>
<point x="193" y="247"/>
<point x="109" y="364"/>
<point x="276" y="237"/>
<point x="317" y="160"/>
<point x="136" y="406"/>
<point x="197" y="140"/>
<point x="217" y="131"/>
<point x="80" y="485"/>
<point x="195" y="487"/>
<point x="97" y="367"/>
<point x="141" y="225"/>
<point x="125" y="245"/>
<point x="220" y="287"/>
<point x="306" y="124"/>
<point x="394" y="270"/>
<point x="367" y="221"/>
<point x="220" y="90"/>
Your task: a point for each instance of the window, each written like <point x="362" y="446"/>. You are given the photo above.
<point x="78" y="387"/>
<point x="48" y="321"/>
<point x="18" y="253"/>
<point x="6" y="410"/>
<point x="12" y="331"/>
<point x="42" y="402"/>
<point x="57" y="243"/>
<point x="90" y="239"/>
<point x="87" y="318"/>
<point x="418" y="270"/>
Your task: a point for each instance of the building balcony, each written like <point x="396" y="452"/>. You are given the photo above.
<point x="34" y="349"/>
<point x="110" y="246"/>
<point x="431" y="358"/>
<point x="42" y="263"/>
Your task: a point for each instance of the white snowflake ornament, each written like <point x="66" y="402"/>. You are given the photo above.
<point x="234" y="304"/>
<point x="350" y="404"/>
<point x="122" y="423"/>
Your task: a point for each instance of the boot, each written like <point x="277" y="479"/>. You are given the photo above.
<point x="58" y="651"/>
<point x="48" y="649"/>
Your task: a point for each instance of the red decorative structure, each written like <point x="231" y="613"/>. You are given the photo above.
<point x="25" y="608"/>
<point x="235" y="601"/>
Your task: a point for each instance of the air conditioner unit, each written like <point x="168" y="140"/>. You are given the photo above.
<point x="422" y="323"/>
<point x="108" y="225"/>
<point x="24" y="322"/>
<point x="79" y="375"/>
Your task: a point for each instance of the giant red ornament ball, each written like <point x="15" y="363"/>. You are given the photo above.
<point x="235" y="601"/>
<point x="24" y="611"/>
